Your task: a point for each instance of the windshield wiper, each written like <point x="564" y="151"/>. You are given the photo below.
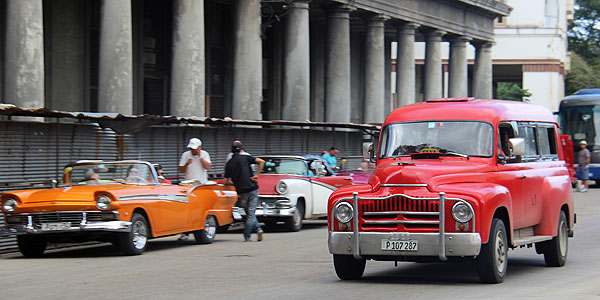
<point x="456" y="154"/>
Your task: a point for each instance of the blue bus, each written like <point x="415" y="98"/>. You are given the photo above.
<point x="579" y="117"/>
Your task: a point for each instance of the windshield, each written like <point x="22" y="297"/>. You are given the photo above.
<point x="581" y="122"/>
<point x="448" y="137"/>
<point x="102" y="173"/>
<point x="285" y="166"/>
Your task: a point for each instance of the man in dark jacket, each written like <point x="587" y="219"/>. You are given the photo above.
<point x="238" y="171"/>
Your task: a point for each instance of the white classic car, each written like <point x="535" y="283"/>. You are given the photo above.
<point x="293" y="188"/>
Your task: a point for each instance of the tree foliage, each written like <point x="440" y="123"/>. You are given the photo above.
<point x="584" y="46"/>
<point x="512" y="91"/>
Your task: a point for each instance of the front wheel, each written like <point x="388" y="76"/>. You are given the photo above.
<point x="492" y="261"/>
<point x="555" y="250"/>
<point x="294" y="223"/>
<point x="207" y="235"/>
<point x="31" y="245"/>
<point x="348" y="268"/>
<point x="135" y="241"/>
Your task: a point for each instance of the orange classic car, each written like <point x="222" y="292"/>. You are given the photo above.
<point x="122" y="202"/>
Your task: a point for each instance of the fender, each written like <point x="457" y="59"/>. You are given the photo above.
<point x="485" y="198"/>
<point x="300" y="188"/>
<point x="556" y="192"/>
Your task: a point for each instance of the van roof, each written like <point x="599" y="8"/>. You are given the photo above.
<point x="492" y="111"/>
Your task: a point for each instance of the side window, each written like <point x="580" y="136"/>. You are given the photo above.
<point x="547" y="142"/>
<point x="528" y="133"/>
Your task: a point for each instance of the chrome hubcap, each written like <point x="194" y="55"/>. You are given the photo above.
<point x="562" y="238"/>
<point x="210" y="227"/>
<point x="500" y="253"/>
<point x="140" y="235"/>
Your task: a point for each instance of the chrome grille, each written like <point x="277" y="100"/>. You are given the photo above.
<point x="400" y="212"/>
<point x="269" y="202"/>
<point x="75" y="217"/>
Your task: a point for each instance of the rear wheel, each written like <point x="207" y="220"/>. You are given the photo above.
<point x="492" y="261"/>
<point x="348" y="268"/>
<point x="555" y="250"/>
<point x="135" y="241"/>
<point x="31" y="245"/>
<point x="294" y="223"/>
<point x="207" y="235"/>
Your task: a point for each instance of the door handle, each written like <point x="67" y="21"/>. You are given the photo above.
<point x="523" y="176"/>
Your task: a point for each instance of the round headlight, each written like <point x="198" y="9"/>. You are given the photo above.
<point x="462" y="212"/>
<point x="103" y="202"/>
<point x="281" y="187"/>
<point x="344" y="212"/>
<point x="10" y="205"/>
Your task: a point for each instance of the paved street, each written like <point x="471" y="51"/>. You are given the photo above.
<point x="293" y="266"/>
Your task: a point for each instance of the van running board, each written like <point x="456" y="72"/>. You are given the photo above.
<point x="531" y="240"/>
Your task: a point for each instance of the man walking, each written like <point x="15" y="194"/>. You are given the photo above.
<point x="238" y="171"/>
<point x="583" y="161"/>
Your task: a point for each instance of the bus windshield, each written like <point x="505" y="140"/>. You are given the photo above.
<point x="581" y="122"/>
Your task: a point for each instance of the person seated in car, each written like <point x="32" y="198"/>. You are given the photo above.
<point x="90" y="177"/>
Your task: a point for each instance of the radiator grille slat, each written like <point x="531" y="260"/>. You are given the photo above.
<point x="400" y="212"/>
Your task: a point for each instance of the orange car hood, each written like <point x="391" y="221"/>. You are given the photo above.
<point x="79" y="193"/>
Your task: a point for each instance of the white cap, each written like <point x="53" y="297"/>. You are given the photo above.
<point x="194" y="143"/>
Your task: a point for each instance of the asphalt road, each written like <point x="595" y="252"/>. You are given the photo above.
<point x="294" y="266"/>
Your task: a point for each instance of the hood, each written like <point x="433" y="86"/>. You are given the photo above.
<point x="268" y="182"/>
<point x="426" y="170"/>
<point x="74" y="194"/>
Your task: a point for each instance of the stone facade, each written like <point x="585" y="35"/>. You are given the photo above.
<point x="320" y="60"/>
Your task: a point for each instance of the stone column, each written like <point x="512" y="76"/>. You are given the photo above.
<point x="188" y="69"/>
<point x="115" y="86"/>
<point x="24" y="73"/>
<point x="457" y="69"/>
<point x="337" y="74"/>
<point x="296" y="64"/>
<point x="375" y="70"/>
<point x="482" y="71"/>
<point x="433" y="65"/>
<point x="405" y="64"/>
<point x="247" y="61"/>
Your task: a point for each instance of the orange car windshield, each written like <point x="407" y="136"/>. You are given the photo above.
<point x="105" y="173"/>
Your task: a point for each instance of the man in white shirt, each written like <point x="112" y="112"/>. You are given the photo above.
<point x="195" y="162"/>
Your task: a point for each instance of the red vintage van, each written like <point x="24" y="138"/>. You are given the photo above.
<point x="457" y="179"/>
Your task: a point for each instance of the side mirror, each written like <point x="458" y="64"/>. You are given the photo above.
<point x="517" y="146"/>
<point x="371" y="153"/>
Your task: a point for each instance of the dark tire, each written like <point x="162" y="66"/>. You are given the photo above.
<point x="270" y="223"/>
<point x="31" y="245"/>
<point x="294" y="223"/>
<point x="556" y="250"/>
<point x="135" y="241"/>
<point x="492" y="261"/>
<point x="223" y="229"/>
<point x="207" y="235"/>
<point x="348" y="268"/>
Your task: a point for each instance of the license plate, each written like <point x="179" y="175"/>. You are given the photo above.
<point x="56" y="226"/>
<point x="410" y="245"/>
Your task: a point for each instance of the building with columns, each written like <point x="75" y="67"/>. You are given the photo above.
<point x="300" y="60"/>
<point x="530" y="49"/>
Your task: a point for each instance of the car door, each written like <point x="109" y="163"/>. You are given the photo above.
<point x="170" y="208"/>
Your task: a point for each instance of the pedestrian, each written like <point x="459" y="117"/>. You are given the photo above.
<point x="583" y="162"/>
<point x="238" y="171"/>
<point x="230" y="154"/>
<point x="329" y="156"/>
<point x="195" y="163"/>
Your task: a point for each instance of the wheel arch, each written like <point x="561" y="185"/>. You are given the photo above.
<point x="143" y="212"/>
<point x="302" y="200"/>
<point x="502" y="214"/>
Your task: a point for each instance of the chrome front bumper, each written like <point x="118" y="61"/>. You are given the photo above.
<point x="268" y="212"/>
<point x="369" y="243"/>
<point x="116" y="226"/>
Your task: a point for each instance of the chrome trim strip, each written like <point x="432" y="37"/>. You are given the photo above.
<point x="356" y="252"/>
<point x="177" y="198"/>
<point x="442" y="233"/>
<point x="403" y="185"/>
